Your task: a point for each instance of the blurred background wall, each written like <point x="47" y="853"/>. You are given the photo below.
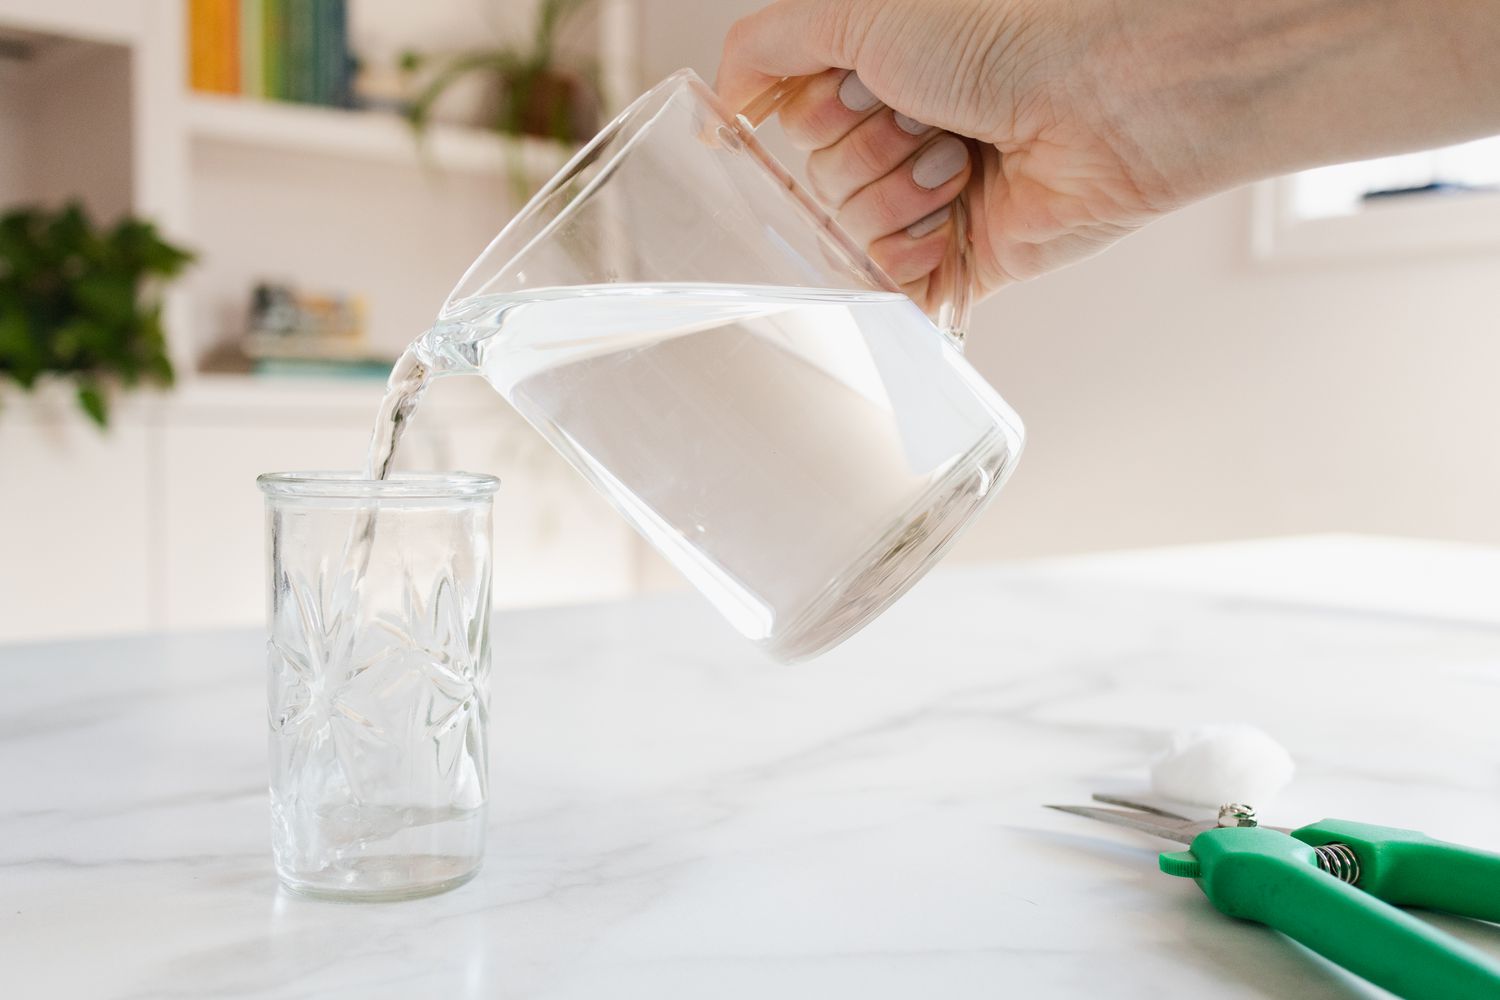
<point x="1223" y="374"/>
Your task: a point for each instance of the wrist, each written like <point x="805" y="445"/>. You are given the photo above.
<point x="1206" y="96"/>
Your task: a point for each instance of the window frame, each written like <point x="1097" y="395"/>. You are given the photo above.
<point x="1459" y="222"/>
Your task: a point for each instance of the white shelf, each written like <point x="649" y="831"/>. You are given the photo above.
<point x="202" y="399"/>
<point x="367" y="135"/>
<point x="219" y="394"/>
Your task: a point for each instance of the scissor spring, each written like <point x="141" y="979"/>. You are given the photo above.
<point x="1340" y="861"/>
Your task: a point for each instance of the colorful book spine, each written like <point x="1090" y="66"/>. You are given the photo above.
<point x="252" y="48"/>
<point x="200" y="76"/>
<point x="300" y="17"/>
<point x="287" y="50"/>
<point x="273" y="47"/>
<point x="344" y="64"/>
<point x="316" y="83"/>
<point x="332" y="58"/>
<point x="214" y="46"/>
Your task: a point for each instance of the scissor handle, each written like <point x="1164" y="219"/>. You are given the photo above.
<point x="949" y="289"/>
<point x="1266" y="876"/>
<point x="1408" y="868"/>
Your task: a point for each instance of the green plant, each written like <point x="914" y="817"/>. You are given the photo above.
<point x="83" y="302"/>
<point x="536" y="95"/>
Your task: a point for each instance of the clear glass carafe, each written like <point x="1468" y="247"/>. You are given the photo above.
<point x="701" y="341"/>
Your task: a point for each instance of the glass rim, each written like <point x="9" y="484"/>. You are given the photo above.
<point x="323" y="483"/>
<point x="607" y="148"/>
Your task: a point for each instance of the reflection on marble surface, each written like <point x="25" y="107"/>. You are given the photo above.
<point x="674" y="817"/>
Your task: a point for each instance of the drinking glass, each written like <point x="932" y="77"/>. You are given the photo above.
<point x="379" y="660"/>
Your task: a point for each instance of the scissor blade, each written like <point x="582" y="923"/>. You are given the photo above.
<point x="1115" y="800"/>
<point x="1182" y="831"/>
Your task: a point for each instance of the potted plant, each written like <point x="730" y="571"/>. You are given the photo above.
<point x="533" y="94"/>
<point x="83" y="302"/>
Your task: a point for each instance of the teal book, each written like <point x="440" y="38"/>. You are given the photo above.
<point x="333" y="53"/>
<point x="315" y="84"/>
<point x="318" y="368"/>
<point x="273" y="51"/>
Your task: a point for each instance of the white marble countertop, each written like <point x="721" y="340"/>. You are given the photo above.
<point x="673" y="817"/>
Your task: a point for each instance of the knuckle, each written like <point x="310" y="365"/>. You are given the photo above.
<point x="799" y="130"/>
<point x="852" y="224"/>
<point x="905" y="259"/>
<point x="826" y="122"/>
<point x="864" y="157"/>
<point x="884" y="205"/>
<point x="817" y="180"/>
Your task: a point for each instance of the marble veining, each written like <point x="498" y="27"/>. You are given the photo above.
<point x="674" y="817"/>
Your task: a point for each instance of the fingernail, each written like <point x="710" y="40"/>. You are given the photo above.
<point x="929" y="222"/>
<point x="854" y="95"/>
<point x="910" y="125"/>
<point x="940" y="162"/>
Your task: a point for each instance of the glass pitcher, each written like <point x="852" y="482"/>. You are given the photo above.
<point x="706" y="346"/>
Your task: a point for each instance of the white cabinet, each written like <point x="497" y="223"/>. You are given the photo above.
<point x="75" y="555"/>
<point x="556" y="540"/>
<point x="213" y="535"/>
<point x="157" y="523"/>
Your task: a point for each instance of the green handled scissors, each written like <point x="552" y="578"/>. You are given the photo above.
<point x="1306" y="883"/>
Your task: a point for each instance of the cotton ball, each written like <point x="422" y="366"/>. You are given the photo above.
<point x="1214" y="764"/>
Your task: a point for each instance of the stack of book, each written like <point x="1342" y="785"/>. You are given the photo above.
<point x="291" y="331"/>
<point x="284" y="50"/>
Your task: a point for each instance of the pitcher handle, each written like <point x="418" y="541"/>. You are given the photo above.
<point x="949" y="288"/>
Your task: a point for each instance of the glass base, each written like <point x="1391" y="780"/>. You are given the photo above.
<point x="384" y="880"/>
<point x="901" y="557"/>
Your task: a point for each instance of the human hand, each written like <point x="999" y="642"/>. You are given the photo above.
<point x="1046" y="184"/>
<point x="1089" y="118"/>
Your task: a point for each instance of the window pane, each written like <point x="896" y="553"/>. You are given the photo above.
<point x="1340" y="189"/>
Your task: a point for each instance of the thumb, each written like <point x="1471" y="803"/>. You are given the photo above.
<point x="788" y="38"/>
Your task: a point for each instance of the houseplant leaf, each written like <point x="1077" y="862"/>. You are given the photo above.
<point x="84" y="302"/>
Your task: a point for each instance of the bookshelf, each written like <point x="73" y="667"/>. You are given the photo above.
<point x="354" y="202"/>
<point x="324" y="198"/>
